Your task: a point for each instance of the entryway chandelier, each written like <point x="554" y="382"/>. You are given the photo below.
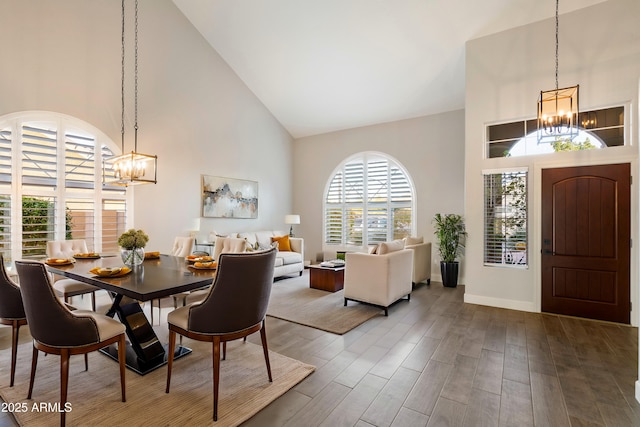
<point x="558" y="108"/>
<point x="131" y="168"/>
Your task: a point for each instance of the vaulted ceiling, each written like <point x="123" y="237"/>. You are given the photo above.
<point x="326" y="65"/>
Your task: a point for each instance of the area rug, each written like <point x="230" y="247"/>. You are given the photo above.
<point x="94" y="395"/>
<point x="293" y="300"/>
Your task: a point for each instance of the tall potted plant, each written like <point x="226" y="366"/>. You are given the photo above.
<point x="450" y="233"/>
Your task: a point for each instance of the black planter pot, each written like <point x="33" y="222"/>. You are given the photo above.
<point x="449" y="272"/>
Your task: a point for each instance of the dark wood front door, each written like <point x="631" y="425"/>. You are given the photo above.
<point x="586" y="241"/>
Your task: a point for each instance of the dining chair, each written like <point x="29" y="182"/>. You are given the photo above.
<point x="67" y="288"/>
<point x="11" y="313"/>
<point x="182" y="247"/>
<point x="57" y="330"/>
<point x="235" y="307"/>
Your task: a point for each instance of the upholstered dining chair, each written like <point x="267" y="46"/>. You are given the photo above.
<point x="182" y="247"/>
<point x="235" y="307"/>
<point x="67" y="288"/>
<point x="57" y="330"/>
<point x="11" y="312"/>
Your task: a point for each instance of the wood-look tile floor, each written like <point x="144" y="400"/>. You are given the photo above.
<point x="436" y="361"/>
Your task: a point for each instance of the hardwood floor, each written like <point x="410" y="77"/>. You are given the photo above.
<point x="436" y="361"/>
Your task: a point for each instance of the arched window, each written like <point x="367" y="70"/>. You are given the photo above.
<point x="51" y="185"/>
<point x="369" y="198"/>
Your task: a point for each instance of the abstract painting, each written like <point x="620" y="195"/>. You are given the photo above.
<point x="229" y="198"/>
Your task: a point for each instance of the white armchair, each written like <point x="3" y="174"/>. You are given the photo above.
<point x="421" y="262"/>
<point x="378" y="279"/>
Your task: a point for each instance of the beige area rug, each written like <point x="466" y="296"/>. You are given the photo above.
<point x="95" y="394"/>
<point x="293" y="300"/>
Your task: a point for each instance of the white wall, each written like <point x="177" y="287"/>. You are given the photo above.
<point x="194" y="112"/>
<point x="430" y="148"/>
<point x="600" y="50"/>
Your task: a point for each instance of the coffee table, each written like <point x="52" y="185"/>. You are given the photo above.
<point x="330" y="279"/>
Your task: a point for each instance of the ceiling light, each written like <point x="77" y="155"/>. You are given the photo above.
<point x="558" y="108"/>
<point x="131" y="168"/>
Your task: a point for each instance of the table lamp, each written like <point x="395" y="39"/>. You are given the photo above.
<point x="291" y="219"/>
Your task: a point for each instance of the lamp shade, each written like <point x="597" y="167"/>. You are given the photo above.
<point x="292" y="219"/>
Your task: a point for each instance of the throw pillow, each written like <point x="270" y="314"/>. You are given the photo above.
<point x="373" y="249"/>
<point x="283" y="243"/>
<point x="413" y="240"/>
<point x="387" y="247"/>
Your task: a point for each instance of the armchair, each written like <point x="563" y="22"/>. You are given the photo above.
<point x="378" y="279"/>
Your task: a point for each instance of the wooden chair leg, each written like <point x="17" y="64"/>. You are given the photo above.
<point x="14" y="348"/>
<point x="216" y="375"/>
<point x="122" y="359"/>
<point x="34" y="365"/>
<point x="64" y="383"/>
<point x="265" y="349"/>
<point x="224" y="350"/>
<point x="170" y="350"/>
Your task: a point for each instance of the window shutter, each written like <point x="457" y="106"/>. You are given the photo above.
<point x="39" y="156"/>
<point x="80" y="221"/>
<point x="114" y="216"/>
<point x="80" y="161"/>
<point x="5" y="227"/>
<point x="5" y="156"/>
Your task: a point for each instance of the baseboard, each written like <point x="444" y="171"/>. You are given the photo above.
<point x="500" y="302"/>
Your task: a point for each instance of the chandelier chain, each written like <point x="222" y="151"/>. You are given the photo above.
<point x="122" y="83"/>
<point x="557" y="3"/>
<point x="135" y="126"/>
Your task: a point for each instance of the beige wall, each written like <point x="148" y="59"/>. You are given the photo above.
<point x="431" y="149"/>
<point x="599" y="49"/>
<point x="194" y="112"/>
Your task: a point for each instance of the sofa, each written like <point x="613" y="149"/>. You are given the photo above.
<point x="379" y="279"/>
<point x="289" y="259"/>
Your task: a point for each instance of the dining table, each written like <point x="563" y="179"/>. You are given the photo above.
<point x="156" y="278"/>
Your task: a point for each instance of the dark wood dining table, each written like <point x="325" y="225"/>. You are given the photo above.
<point x="153" y="279"/>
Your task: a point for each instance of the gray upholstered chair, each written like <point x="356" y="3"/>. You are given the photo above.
<point x="57" y="330"/>
<point x="11" y="312"/>
<point x="67" y="288"/>
<point x="235" y="307"/>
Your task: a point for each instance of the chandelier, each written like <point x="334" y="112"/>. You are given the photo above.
<point x="131" y="168"/>
<point x="558" y="108"/>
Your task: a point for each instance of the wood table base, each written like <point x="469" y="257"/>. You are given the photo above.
<point x="326" y="279"/>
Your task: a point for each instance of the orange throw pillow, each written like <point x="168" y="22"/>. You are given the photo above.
<point x="283" y="243"/>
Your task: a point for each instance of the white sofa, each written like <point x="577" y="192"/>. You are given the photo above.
<point x="287" y="262"/>
<point x="379" y="279"/>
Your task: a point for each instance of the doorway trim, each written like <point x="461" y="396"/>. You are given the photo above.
<point x="536" y="218"/>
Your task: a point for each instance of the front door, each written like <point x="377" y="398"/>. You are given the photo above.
<point x="586" y="241"/>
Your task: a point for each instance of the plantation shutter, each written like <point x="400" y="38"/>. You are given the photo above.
<point x="5" y="156"/>
<point x="80" y="217"/>
<point x="114" y="215"/>
<point x="39" y="155"/>
<point x="5" y="227"/>
<point x="369" y="199"/>
<point x="80" y="161"/>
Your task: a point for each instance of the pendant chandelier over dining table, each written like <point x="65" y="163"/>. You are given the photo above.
<point x="558" y="108"/>
<point x="131" y="168"/>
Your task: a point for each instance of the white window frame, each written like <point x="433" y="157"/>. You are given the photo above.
<point x="63" y="124"/>
<point x="365" y="158"/>
<point x="510" y="255"/>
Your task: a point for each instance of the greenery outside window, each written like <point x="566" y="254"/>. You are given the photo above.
<point x="505" y="218"/>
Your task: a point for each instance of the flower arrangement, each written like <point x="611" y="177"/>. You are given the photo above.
<point x="133" y="239"/>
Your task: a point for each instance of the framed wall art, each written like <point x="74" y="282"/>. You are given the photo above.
<point x="229" y="198"/>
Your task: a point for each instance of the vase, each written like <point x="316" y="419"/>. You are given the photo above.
<point x="132" y="257"/>
<point x="449" y="272"/>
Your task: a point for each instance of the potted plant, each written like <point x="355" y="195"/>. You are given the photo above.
<point x="132" y="243"/>
<point x="450" y="234"/>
